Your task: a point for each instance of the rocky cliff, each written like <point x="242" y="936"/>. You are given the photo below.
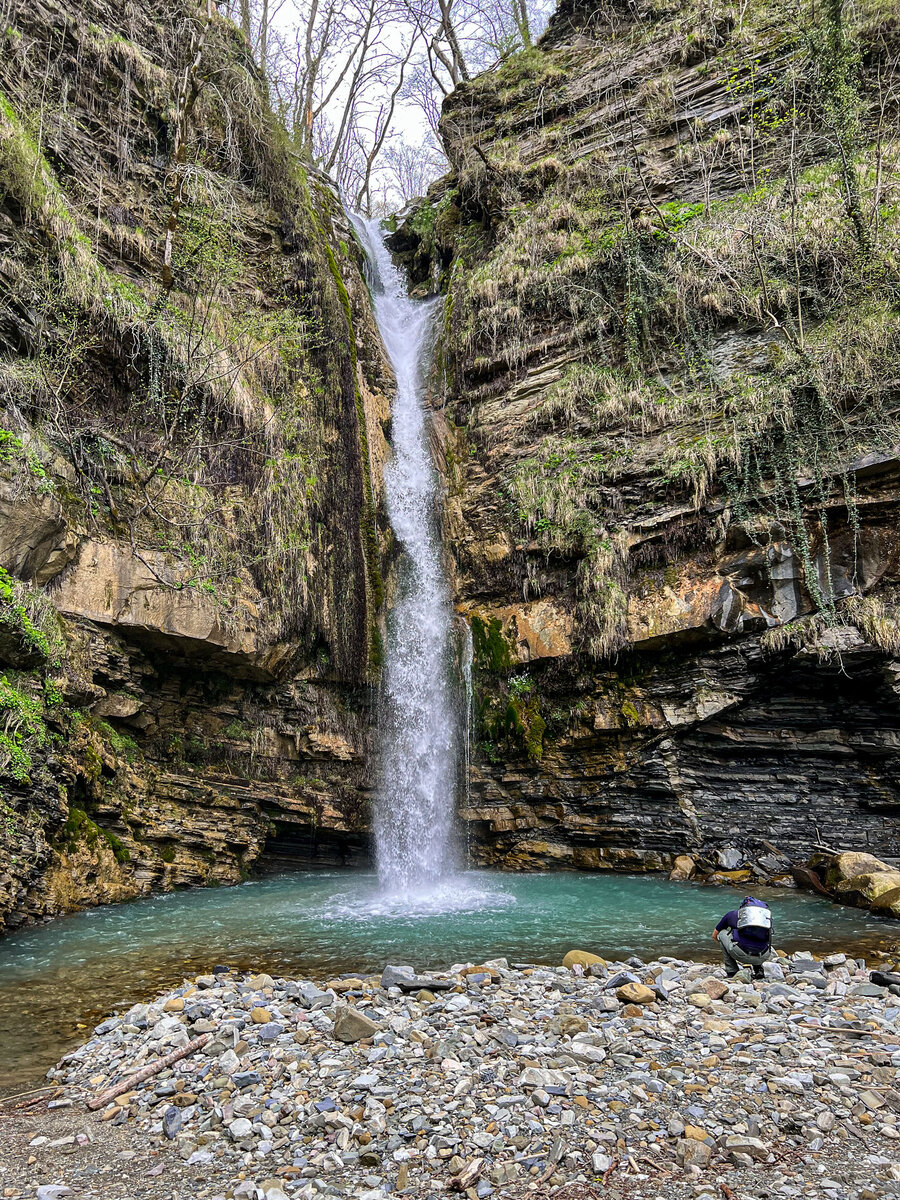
<point x="194" y="400"/>
<point x="670" y="374"/>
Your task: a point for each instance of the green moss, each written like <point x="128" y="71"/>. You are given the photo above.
<point x="490" y="646"/>
<point x="631" y="714"/>
<point x="80" y="830"/>
<point x="168" y="854"/>
<point x="122" y="745"/>
<point x="510" y="715"/>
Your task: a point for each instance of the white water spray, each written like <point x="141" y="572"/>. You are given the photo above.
<point x="419" y="729"/>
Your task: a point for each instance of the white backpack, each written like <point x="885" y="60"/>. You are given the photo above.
<point x="754" y="916"/>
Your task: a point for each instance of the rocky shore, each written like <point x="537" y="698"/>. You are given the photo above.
<point x="592" y="1078"/>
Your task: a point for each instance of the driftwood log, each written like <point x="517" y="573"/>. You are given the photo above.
<point x="125" y="1085"/>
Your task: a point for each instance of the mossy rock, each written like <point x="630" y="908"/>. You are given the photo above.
<point x="870" y="885"/>
<point x="851" y="863"/>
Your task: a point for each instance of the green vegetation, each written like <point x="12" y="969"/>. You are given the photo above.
<point x="122" y="745"/>
<point x="29" y="616"/>
<point x="491" y="649"/>
<point x="79" y="830"/>
<point x="22" y="731"/>
<point x="819" y="633"/>
<point x="508" y="715"/>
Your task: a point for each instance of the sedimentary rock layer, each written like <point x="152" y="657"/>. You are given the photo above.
<point x="667" y="431"/>
<point x="194" y="397"/>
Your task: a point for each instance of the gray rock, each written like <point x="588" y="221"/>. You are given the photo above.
<point x="740" y="1143"/>
<point x="312" y="997"/>
<point x="691" y="1153"/>
<point x="408" y="981"/>
<point x="807" y="965"/>
<point x="172" y="1122"/>
<point x="538" y="1078"/>
<point x="391" y="976"/>
<point x="729" y="858"/>
<point x="240" y="1128"/>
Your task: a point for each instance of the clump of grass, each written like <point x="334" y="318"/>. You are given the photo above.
<point x="818" y="633"/>
<point x="22" y="731"/>
<point x="31" y="616"/>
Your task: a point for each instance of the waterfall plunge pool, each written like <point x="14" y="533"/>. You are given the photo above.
<point x="58" y="979"/>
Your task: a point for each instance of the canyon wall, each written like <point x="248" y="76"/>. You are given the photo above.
<point x="191" y="530"/>
<point x="666" y="412"/>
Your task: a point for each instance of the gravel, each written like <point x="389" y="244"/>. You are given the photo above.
<point x="632" y="1079"/>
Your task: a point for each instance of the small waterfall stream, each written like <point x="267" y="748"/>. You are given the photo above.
<point x="418" y="720"/>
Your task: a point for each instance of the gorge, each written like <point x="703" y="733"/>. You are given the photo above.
<point x="663" y="415"/>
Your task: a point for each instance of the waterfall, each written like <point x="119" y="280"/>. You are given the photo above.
<point x="418" y="721"/>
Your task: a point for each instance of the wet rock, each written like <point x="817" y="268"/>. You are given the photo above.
<point x="683" y="868"/>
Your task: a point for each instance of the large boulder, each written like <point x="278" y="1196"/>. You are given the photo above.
<point x="870" y="885"/>
<point x="888" y="902"/>
<point x="683" y="868"/>
<point x="849" y="864"/>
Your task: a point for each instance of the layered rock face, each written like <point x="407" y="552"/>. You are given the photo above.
<point x="670" y="361"/>
<point x="194" y="400"/>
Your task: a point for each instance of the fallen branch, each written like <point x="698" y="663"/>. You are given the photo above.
<point x="609" y="1170"/>
<point x="125" y="1085"/>
<point x="38" y="1094"/>
<point x="829" y="1029"/>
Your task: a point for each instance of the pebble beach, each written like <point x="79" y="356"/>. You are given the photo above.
<point x="494" y="1079"/>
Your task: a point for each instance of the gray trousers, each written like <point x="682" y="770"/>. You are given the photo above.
<point x="733" y="956"/>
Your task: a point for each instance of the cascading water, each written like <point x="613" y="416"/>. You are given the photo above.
<point x="419" y="728"/>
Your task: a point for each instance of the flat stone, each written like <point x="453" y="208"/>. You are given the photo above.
<point x="352" y="1026"/>
<point x="542" y="1078"/>
<point x="753" y="1147"/>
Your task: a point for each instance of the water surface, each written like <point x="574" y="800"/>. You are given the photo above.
<point x="57" y="979"/>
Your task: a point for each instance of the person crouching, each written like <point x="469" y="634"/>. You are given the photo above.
<point x="745" y="935"/>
